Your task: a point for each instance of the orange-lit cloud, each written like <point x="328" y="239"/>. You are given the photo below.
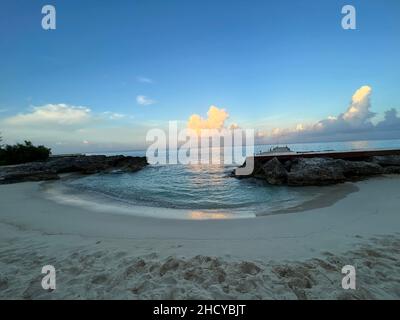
<point x="215" y="120"/>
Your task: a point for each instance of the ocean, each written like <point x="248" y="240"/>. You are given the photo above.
<point x="202" y="191"/>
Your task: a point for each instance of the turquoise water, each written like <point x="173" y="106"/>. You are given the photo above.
<point x="189" y="187"/>
<point x="208" y="187"/>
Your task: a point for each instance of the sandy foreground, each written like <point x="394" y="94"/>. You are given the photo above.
<point x="297" y="254"/>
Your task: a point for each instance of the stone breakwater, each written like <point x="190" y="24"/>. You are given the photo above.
<point x="50" y="169"/>
<point x="322" y="171"/>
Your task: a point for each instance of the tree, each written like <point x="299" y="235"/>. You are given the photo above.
<point x="20" y="153"/>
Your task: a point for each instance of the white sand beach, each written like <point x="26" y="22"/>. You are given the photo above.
<point x="293" y="255"/>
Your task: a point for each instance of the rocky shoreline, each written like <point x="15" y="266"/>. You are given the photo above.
<point x="295" y="172"/>
<point x="321" y="171"/>
<point x="54" y="166"/>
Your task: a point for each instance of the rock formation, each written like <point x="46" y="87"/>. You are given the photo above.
<point x="50" y="169"/>
<point x="322" y="171"/>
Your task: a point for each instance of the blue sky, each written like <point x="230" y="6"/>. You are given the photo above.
<point x="269" y="64"/>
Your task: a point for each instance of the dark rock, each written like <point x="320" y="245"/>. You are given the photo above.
<point x="96" y="164"/>
<point x="127" y="164"/>
<point x="46" y="170"/>
<point x="387" y="160"/>
<point x="318" y="171"/>
<point x="288" y="165"/>
<point x="323" y="171"/>
<point x="315" y="171"/>
<point x="274" y="172"/>
<point x="28" y="176"/>
<point x="360" y="168"/>
<point x="82" y="164"/>
<point x="391" y="170"/>
<point x="258" y="171"/>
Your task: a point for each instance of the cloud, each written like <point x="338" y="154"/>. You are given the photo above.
<point x="113" y="115"/>
<point x="359" y="112"/>
<point x="234" y="126"/>
<point x="357" y="116"/>
<point x="144" y="101"/>
<point x="354" y="123"/>
<point x="144" y="80"/>
<point x="67" y="128"/>
<point x="215" y="119"/>
<point x="61" y="114"/>
<point x="391" y="121"/>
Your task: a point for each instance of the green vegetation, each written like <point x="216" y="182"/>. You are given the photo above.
<point x="21" y="153"/>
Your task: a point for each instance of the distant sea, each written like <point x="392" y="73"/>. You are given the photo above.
<point x="207" y="189"/>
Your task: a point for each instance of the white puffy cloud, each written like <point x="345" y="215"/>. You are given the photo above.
<point x="59" y="114"/>
<point x="357" y="116"/>
<point x="359" y="112"/>
<point x="354" y="123"/>
<point x="144" y="101"/>
<point x="68" y="128"/>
